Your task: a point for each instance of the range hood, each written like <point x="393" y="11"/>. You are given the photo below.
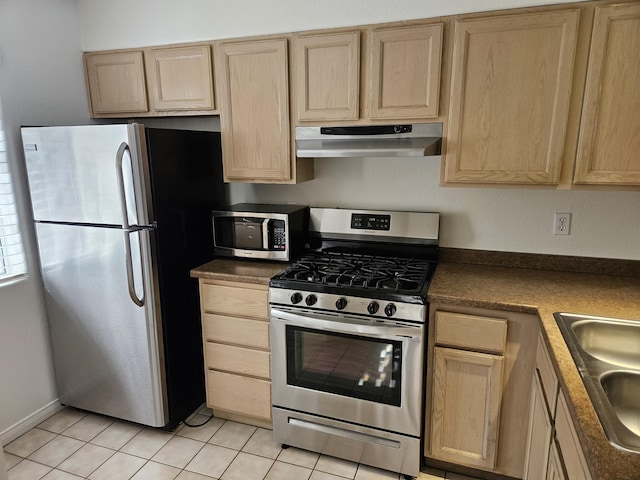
<point x="400" y="140"/>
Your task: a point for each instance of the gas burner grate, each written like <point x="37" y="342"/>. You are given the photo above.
<point x="351" y="270"/>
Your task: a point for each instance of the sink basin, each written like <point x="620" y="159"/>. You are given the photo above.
<point x="623" y="391"/>
<point x="607" y="354"/>
<point x="613" y="341"/>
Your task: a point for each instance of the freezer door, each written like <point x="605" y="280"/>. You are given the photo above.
<point x="107" y="349"/>
<point x="87" y="174"/>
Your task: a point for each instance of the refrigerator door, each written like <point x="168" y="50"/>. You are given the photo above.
<point x="107" y="349"/>
<point x="87" y="174"/>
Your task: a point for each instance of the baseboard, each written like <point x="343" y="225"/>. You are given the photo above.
<point x="23" y="426"/>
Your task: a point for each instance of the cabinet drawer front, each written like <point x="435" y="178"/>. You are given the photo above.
<point x="236" y="331"/>
<point x="242" y="301"/>
<point x="238" y="360"/>
<point x="547" y="374"/>
<point x="471" y="331"/>
<point x="241" y="395"/>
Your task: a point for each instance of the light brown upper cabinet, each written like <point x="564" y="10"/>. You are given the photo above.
<point x="180" y="78"/>
<point x="253" y="85"/>
<point x="511" y="84"/>
<point x="175" y="80"/>
<point x="402" y="78"/>
<point x="116" y="83"/>
<point x="328" y="76"/>
<point x="405" y="72"/>
<point x="609" y="141"/>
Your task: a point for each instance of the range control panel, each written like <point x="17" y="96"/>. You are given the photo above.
<point x="362" y="221"/>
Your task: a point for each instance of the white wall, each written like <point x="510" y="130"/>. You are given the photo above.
<point x="41" y="83"/>
<point x="123" y="24"/>
<point x="604" y="224"/>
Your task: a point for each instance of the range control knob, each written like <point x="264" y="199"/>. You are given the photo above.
<point x="296" y="298"/>
<point x="390" y="309"/>
<point x="373" y="307"/>
<point x="311" y="299"/>
<point x="341" y="303"/>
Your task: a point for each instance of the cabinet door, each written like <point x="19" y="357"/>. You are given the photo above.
<point x="574" y="463"/>
<point x="180" y="78"/>
<point x="609" y="139"/>
<point x="555" y="470"/>
<point x="116" y="82"/>
<point x="539" y="440"/>
<point x="254" y="110"/>
<point x="467" y="393"/>
<point x="405" y="72"/>
<point x="510" y="92"/>
<point x="327" y="76"/>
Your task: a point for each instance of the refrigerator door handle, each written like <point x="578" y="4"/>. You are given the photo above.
<point x="120" y="176"/>
<point x="130" y="277"/>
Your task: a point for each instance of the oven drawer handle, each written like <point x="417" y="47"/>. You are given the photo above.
<point x="345" y="325"/>
<point x="357" y="436"/>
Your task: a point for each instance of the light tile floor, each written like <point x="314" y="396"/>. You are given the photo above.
<point x="74" y="445"/>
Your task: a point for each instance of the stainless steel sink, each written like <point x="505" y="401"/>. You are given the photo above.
<point x="612" y="341"/>
<point x="607" y="354"/>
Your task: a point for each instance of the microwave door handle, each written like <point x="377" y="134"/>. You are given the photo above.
<point x="265" y="234"/>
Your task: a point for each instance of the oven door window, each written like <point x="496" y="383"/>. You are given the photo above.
<point x="349" y="365"/>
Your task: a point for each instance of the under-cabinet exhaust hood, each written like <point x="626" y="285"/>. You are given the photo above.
<point x="400" y="140"/>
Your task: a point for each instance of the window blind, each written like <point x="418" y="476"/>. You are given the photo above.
<point x="12" y="261"/>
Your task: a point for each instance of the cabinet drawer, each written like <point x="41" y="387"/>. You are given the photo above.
<point x="547" y="374"/>
<point x="246" y="301"/>
<point x="241" y="395"/>
<point x="237" y="360"/>
<point x="471" y="331"/>
<point x="235" y="331"/>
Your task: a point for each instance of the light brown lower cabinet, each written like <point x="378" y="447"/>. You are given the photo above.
<point x="555" y="470"/>
<point x="479" y="366"/>
<point x="466" y="406"/>
<point x="540" y="435"/>
<point x="553" y="446"/>
<point x="235" y="331"/>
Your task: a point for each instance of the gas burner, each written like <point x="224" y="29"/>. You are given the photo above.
<point x="348" y="270"/>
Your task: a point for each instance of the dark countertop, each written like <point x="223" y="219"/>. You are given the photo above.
<point x="244" y="271"/>
<point x="544" y="292"/>
<point x="519" y="289"/>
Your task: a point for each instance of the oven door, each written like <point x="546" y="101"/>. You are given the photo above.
<point x="362" y="371"/>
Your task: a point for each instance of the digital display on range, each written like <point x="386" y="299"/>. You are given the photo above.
<point x="363" y="221"/>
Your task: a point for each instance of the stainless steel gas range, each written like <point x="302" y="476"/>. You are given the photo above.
<point x="348" y="324"/>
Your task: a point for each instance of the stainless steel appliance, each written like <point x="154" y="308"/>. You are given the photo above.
<point x="121" y="214"/>
<point x="348" y="336"/>
<point x="271" y="232"/>
<point x="398" y="140"/>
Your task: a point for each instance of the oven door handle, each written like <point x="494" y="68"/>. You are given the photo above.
<point x="347" y="325"/>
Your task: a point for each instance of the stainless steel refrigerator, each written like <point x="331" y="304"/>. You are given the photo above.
<point x="122" y="213"/>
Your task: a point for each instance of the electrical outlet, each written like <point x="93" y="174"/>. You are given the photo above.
<point x="561" y="223"/>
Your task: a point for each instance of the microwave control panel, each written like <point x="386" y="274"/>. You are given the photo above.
<point x="278" y="237"/>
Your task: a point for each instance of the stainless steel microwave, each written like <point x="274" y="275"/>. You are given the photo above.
<point x="270" y="232"/>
